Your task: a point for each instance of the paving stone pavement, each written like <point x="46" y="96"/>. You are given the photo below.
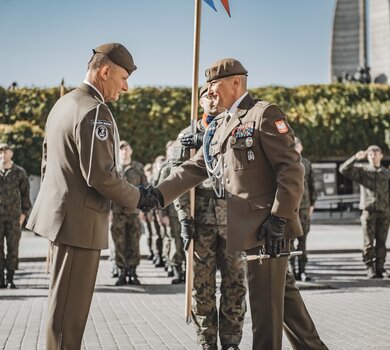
<point x="350" y="311"/>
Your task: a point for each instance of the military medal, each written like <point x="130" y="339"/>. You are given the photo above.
<point x="251" y="155"/>
<point x="249" y="142"/>
<point x="233" y="140"/>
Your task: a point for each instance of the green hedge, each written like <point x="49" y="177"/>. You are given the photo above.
<point x="333" y="121"/>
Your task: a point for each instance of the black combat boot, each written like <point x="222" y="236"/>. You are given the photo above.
<point x="178" y="275"/>
<point x="170" y="272"/>
<point x="10" y="279"/>
<point x="151" y="255"/>
<point x="2" y="279"/>
<point x="301" y="271"/>
<point x="121" y="281"/>
<point x="159" y="262"/>
<point x="230" y="347"/>
<point x="133" y="278"/>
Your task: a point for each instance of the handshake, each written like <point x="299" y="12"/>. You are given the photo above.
<point x="150" y="198"/>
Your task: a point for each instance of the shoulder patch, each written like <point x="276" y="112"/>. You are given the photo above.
<point x="101" y="132"/>
<point x="281" y="126"/>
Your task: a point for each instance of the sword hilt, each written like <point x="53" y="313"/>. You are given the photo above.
<point x="261" y="256"/>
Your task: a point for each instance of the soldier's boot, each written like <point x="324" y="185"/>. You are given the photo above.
<point x="133" y="278"/>
<point x="121" y="281"/>
<point x="178" y="275"/>
<point x="302" y="272"/>
<point x="151" y="255"/>
<point x="10" y="279"/>
<point x="230" y="347"/>
<point x="170" y="272"/>
<point x="292" y="267"/>
<point x="371" y="272"/>
<point x="159" y="262"/>
<point x="2" y="280"/>
<point x="209" y="347"/>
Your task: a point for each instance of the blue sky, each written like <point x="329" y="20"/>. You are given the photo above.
<point x="280" y="42"/>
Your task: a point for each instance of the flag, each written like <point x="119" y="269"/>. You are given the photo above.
<point x="211" y="4"/>
<point x="225" y="4"/>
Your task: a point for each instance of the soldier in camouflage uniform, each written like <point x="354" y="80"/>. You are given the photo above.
<point x="14" y="207"/>
<point x="210" y="252"/>
<point x="374" y="203"/>
<point x="169" y="217"/>
<point x="125" y="227"/>
<point x="147" y="218"/>
<point x="306" y="209"/>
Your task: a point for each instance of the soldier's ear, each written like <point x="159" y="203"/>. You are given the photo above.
<point x="104" y="72"/>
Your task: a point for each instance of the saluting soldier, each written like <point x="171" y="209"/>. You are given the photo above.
<point x="249" y="152"/>
<point x="14" y="207"/>
<point x="306" y="208"/>
<point x="80" y="175"/>
<point x="208" y="229"/>
<point x="374" y="202"/>
<point x="126" y="227"/>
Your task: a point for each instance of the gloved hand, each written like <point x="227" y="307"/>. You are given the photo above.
<point x="150" y="198"/>
<point x="191" y="140"/>
<point x="273" y="232"/>
<point x="187" y="231"/>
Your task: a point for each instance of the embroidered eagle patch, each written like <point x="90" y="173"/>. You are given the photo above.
<point x="281" y="126"/>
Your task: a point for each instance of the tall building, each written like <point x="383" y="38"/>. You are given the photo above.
<point x="349" y="38"/>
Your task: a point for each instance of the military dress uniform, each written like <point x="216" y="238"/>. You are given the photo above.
<point x="210" y="254"/>
<point x="126" y="228"/>
<point x="308" y="199"/>
<point x="375" y="206"/>
<point x="261" y="174"/>
<point x="80" y="175"/>
<point x="14" y="201"/>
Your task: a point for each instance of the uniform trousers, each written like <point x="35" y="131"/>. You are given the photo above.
<point x="10" y="230"/>
<point x="73" y="277"/>
<point x="275" y="303"/>
<point x="375" y="226"/>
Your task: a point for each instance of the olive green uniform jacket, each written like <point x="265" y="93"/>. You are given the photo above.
<point x="270" y="183"/>
<point x="79" y="173"/>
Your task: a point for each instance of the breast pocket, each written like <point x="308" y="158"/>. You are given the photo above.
<point x="243" y="154"/>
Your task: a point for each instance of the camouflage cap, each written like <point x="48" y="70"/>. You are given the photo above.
<point x="123" y="143"/>
<point x="374" y="148"/>
<point x="203" y="89"/>
<point x="5" y="146"/>
<point x="118" y="54"/>
<point x="225" y="68"/>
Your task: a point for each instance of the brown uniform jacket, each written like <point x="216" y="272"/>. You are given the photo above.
<point x="270" y="183"/>
<point x="79" y="174"/>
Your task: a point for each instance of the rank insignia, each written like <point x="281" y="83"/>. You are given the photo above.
<point x="281" y="126"/>
<point x="244" y="130"/>
<point x="101" y="132"/>
<point x="249" y="142"/>
<point x="106" y="123"/>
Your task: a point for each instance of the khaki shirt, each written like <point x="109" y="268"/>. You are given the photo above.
<point x="271" y="182"/>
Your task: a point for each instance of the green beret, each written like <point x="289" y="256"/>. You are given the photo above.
<point x="225" y="68"/>
<point x="203" y="89"/>
<point x="118" y="54"/>
<point x="5" y="146"/>
<point x="374" y="148"/>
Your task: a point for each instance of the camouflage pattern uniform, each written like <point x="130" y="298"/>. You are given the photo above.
<point x="14" y="201"/>
<point x="374" y="203"/>
<point x="126" y="228"/>
<point x="173" y="244"/>
<point x="308" y="199"/>
<point x="209" y="255"/>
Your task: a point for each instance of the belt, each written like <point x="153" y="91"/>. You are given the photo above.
<point x="206" y="193"/>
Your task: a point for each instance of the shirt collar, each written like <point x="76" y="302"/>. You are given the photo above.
<point x="235" y="105"/>
<point x="93" y="87"/>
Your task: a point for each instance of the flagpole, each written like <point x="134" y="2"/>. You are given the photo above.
<point x="194" y="116"/>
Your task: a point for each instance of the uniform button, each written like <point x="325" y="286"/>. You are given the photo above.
<point x="225" y="165"/>
<point x="228" y="181"/>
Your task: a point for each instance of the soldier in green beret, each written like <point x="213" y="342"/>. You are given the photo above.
<point x="80" y="177"/>
<point x="14" y="207"/>
<point x="374" y="180"/>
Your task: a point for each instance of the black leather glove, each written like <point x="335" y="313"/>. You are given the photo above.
<point x="273" y="232"/>
<point x="149" y="198"/>
<point x="187" y="232"/>
<point x="191" y="140"/>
